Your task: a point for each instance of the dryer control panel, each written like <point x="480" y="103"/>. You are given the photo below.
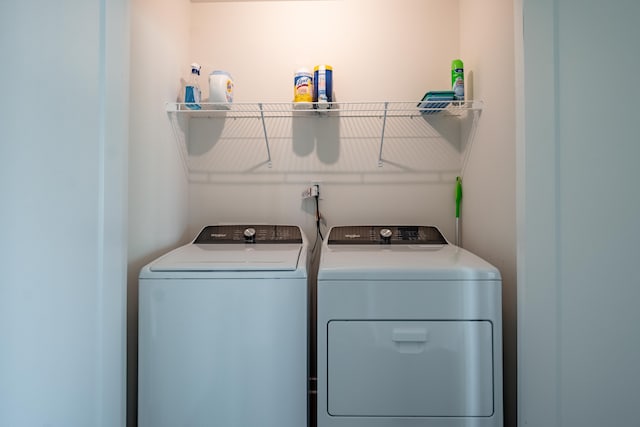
<point x="386" y="234"/>
<point x="235" y="234"/>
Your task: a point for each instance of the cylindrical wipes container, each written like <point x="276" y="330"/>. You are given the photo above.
<point x="323" y="86"/>
<point x="303" y="86"/>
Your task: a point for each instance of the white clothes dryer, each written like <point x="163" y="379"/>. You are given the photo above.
<point x="409" y="331"/>
<point x="223" y="330"/>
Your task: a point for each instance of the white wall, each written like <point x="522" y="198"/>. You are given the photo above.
<point x="157" y="180"/>
<point x="380" y="50"/>
<point x="578" y="282"/>
<point x="488" y="208"/>
<point x="63" y="177"/>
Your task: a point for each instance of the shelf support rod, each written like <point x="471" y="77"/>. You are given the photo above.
<point x="384" y="123"/>
<point x="470" y="140"/>
<point x="266" y="138"/>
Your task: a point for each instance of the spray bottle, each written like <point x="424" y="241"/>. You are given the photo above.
<point x="457" y="79"/>
<point x="192" y="93"/>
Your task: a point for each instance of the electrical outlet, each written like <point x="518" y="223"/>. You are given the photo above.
<point x="316" y="183"/>
<point x="311" y="191"/>
<point x="306" y="193"/>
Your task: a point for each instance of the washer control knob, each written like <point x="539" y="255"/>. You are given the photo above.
<point x="386" y="234"/>
<point x="250" y="234"/>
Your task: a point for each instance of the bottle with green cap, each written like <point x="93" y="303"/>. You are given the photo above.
<point x="457" y="79"/>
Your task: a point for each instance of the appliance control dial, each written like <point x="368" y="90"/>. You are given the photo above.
<point x="250" y="234"/>
<point x="386" y="234"/>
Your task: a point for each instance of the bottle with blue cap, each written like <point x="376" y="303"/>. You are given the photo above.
<point x="192" y="94"/>
<point x="322" y="86"/>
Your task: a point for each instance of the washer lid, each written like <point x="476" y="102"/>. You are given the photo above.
<point x="245" y="257"/>
<point x="234" y="248"/>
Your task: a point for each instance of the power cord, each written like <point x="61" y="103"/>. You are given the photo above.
<point x="318" y="217"/>
<point x="319" y="235"/>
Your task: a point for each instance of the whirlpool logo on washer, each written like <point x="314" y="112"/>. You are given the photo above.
<point x="351" y="236"/>
<point x="218" y="235"/>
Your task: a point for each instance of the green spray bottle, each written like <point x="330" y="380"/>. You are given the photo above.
<point x="457" y="79"/>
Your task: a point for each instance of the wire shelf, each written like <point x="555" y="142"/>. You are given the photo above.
<point x="339" y="109"/>
<point x="381" y="111"/>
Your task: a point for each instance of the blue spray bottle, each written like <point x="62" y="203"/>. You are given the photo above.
<point x="192" y="93"/>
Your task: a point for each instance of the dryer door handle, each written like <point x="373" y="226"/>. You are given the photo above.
<point x="409" y="335"/>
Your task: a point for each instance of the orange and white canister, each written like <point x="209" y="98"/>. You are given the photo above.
<point x="220" y="87"/>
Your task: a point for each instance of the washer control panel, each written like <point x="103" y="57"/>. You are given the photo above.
<point x="234" y="234"/>
<point x="386" y="234"/>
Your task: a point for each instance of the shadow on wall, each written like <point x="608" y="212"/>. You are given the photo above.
<point x="321" y="135"/>
<point x="216" y="147"/>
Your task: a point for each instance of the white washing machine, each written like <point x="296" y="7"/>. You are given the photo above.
<point x="223" y="330"/>
<point x="409" y="331"/>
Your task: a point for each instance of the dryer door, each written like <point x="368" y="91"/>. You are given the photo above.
<point x="410" y="368"/>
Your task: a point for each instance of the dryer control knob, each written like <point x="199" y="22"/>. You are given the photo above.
<point x="386" y="234"/>
<point x="250" y="234"/>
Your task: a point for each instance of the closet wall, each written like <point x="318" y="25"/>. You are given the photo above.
<point x="158" y="190"/>
<point x="487" y="38"/>
<point x="381" y="50"/>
